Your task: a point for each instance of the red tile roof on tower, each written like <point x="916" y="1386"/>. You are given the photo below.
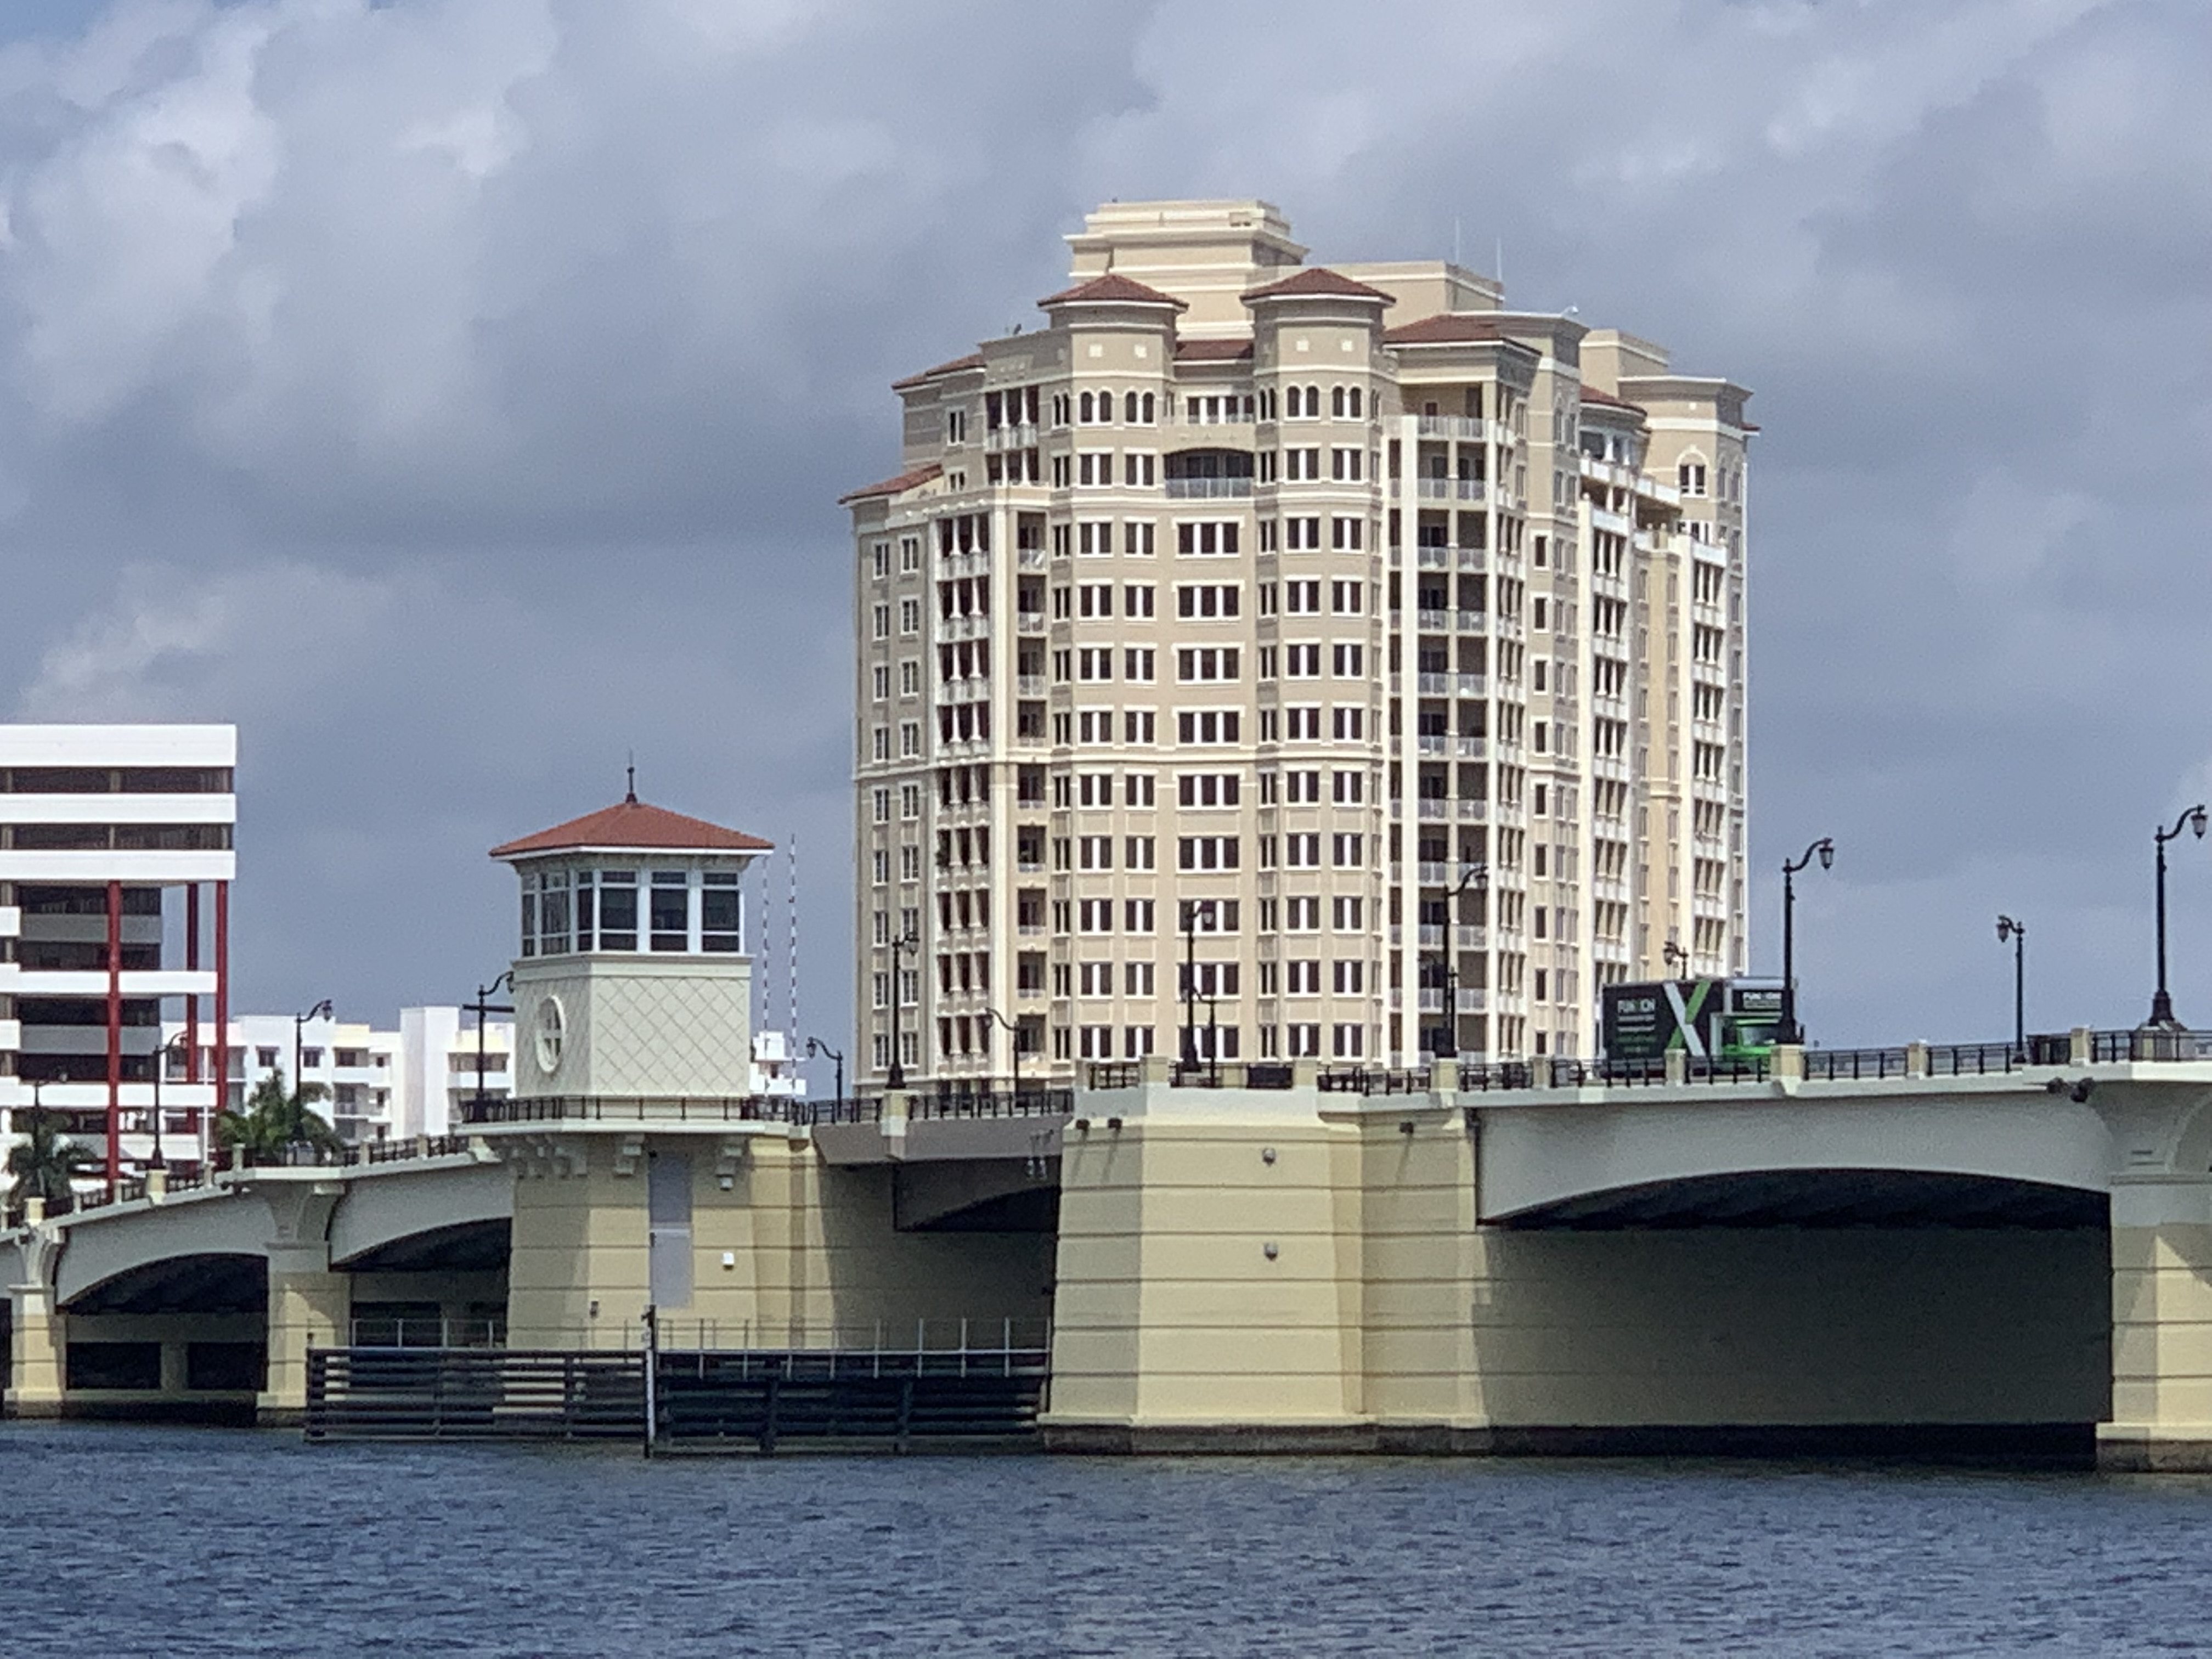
<point x="898" y="486"/>
<point x="1446" y="328"/>
<point x="1592" y="395"/>
<point x="632" y="825"/>
<point x="1112" y="288"/>
<point x="1318" y="281"/>
<point x="1211" y="351"/>
<point x="973" y="359"/>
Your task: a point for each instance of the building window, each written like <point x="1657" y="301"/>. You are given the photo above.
<point x="671" y="910"/>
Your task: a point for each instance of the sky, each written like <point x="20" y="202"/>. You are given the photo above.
<point x="456" y="396"/>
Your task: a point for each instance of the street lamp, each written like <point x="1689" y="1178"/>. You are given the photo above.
<point x="1446" y="1036"/>
<point x="320" y="1010"/>
<point x="160" y="1063"/>
<point x="483" y="1008"/>
<point x="895" y="1079"/>
<point x="1675" y="953"/>
<point x="1791" y="1031"/>
<point x="817" y="1046"/>
<point x="1013" y="1048"/>
<point x="2161" y="1003"/>
<point x="2017" y="932"/>
<point x="1190" y="909"/>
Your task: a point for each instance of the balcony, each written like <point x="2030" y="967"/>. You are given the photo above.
<point x="1472" y="812"/>
<point x="1001" y="438"/>
<point x="1030" y="622"/>
<point x="1432" y="744"/>
<point x="1433" y="810"/>
<point x="1031" y="558"/>
<point x="1468" y="428"/>
<point x="1449" y="489"/>
<point x="1207" y="490"/>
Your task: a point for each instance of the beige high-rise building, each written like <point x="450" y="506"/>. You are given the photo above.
<point x="1263" y="660"/>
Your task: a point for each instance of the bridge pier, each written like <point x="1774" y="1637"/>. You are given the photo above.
<point x="36" y="1348"/>
<point x="310" y="1304"/>
<point x="2161" y="1325"/>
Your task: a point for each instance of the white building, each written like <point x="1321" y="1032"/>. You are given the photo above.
<point x="376" y="1084"/>
<point x="116" y="861"/>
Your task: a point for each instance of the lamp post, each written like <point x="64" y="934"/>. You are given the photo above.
<point x="1190" y="909"/>
<point x="2017" y="932"/>
<point x="2161" y="1003"/>
<point x="1446" y="1037"/>
<point x="1013" y="1048"/>
<point x="161" y="1064"/>
<point x="817" y="1046"/>
<point x="1825" y="850"/>
<point x="1674" y="954"/>
<point x="320" y="1010"/>
<point x="896" y="1077"/>
<point x="484" y="1007"/>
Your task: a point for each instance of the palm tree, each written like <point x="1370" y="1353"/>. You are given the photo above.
<point x="276" y="1119"/>
<point x="45" y="1161"/>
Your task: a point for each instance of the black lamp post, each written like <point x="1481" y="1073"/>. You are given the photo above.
<point x="160" y="1063"/>
<point x="896" y="1077"/>
<point x="1676" y="954"/>
<point x="817" y="1046"/>
<point x="1013" y="1047"/>
<point x="2161" y="1003"/>
<point x="1190" y="909"/>
<point x="320" y="1010"/>
<point x="483" y="1008"/>
<point x="2017" y="932"/>
<point x="1825" y="850"/>
<point x="1446" y="1037"/>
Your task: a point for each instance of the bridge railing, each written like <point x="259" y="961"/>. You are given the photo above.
<point x="638" y="1108"/>
<point x="1025" y="1102"/>
<point x="2148" y="1043"/>
<point x="1855" y="1065"/>
<point x="1356" y="1080"/>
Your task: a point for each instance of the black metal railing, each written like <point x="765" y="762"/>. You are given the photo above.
<point x="2148" y="1043"/>
<point x="1834" y="1064"/>
<point x="1124" y="1074"/>
<point x="1354" y="1080"/>
<point x="638" y="1108"/>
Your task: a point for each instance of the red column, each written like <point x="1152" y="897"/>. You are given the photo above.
<point x="114" y="1034"/>
<point x="222" y="1012"/>
<point x="192" y="998"/>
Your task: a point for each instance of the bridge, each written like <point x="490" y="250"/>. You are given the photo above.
<point x="1887" y="1249"/>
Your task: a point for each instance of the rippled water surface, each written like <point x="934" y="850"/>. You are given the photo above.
<point x="137" y="1541"/>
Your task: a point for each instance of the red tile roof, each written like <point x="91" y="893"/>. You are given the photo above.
<point x="1211" y="351"/>
<point x="1592" y="395"/>
<point x="1317" y="282"/>
<point x="1112" y="288"/>
<point x="973" y="359"/>
<point x="897" y="486"/>
<point x="1446" y="328"/>
<point x="632" y="824"/>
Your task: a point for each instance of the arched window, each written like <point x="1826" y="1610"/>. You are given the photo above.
<point x="1146" y="405"/>
<point x="1355" y="403"/>
<point x="1336" y="401"/>
<point x="1690" y="474"/>
<point x="1083" y="408"/>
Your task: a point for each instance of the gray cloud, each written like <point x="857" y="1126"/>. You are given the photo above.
<point x="456" y="395"/>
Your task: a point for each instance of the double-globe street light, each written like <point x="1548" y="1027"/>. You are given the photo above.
<point x="2161" y="1003"/>
<point x="1824" y="850"/>
<point x="895" y="1078"/>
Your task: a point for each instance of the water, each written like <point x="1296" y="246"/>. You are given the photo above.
<point x="128" y="1541"/>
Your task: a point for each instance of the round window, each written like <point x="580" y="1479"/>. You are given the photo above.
<point x="552" y="1027"/>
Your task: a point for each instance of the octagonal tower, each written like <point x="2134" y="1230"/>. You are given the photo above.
<point x="632" y="977"/>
